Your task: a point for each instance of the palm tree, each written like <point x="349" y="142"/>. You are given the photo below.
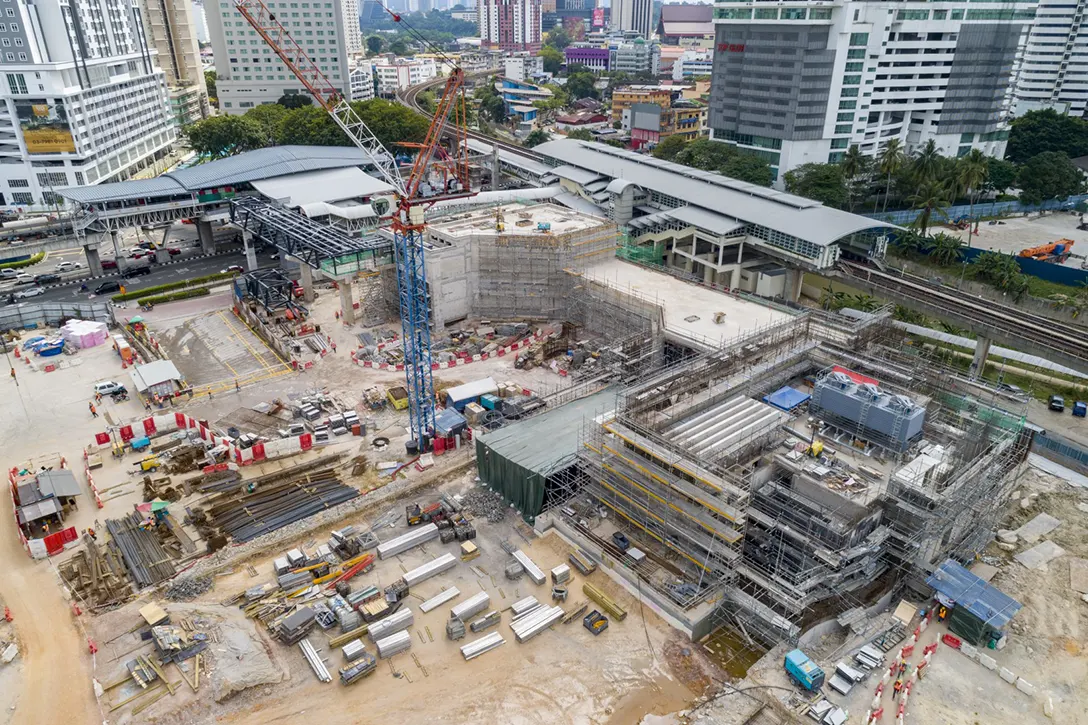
<point x="972" y="171"/>
<point x="945" y="249"/>
<point x="927" y="163"/>
<point x="891" y="160"/>
<point x="851" y="165"/>
<point x="931" y="197"/>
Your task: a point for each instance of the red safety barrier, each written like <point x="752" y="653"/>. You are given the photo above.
<point x="54" y="543"/>
<point x="306" y="441"/>
<point x="952" y="641"/>
<point x="181" y="420"/>
<point x="126" y="433"/>
<point x="69" y="535"/>
<point x="149" y="426"/>
<point x="258" y="451"/>
<point x="101" y="438"/>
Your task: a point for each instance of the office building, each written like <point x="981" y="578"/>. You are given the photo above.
<point x="71" y="118"/>
<point x="353" y="37"/>
<point x="250" y="73"/>
<point x="170" y="27"/>
<point x="393" y="74"/>
<point x="797" y="84"/>
<point x="523" y="67"/>
<point x="602" y="52"/>
<point x="200" y="21"/>
<point x="633" y="15"/>
<point x="1054" y="72"/>
<point x="510" y="25"/>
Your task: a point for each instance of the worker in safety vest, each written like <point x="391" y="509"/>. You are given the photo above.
<point x="897" y="688"/>
<point x="942" y="613"/>
<point x="94" y="412"/>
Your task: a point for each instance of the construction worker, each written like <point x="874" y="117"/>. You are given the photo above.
<point x="897" y="688"/>
<point x="98" y="398"/>
<point x="94" y="412"/>
<point x="942" y="613"/>
<point x="92" y="534"/>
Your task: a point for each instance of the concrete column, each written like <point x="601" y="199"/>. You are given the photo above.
<point x="162" y="256"/>
<point x="496" y="173"/>
<point x="94" y="263"/>
<point x="734" y="278"/>
<point x="347" y="307"/>
<point x="982" y="351"/>
<point x="708" y="274"/>
<point x="794" y="278"/>
<point x="207" y="237"/>
<point x="306" y="279"/>
<point x="250" y="250"/>
<point x="116" y="237"/>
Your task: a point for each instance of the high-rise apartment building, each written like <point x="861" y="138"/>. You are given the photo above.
<point x="249" y="73"/>
<point x="353" y="37"/>
<point x="636" y="15"/>
<point x="200" y="19"/>
<point x="82" y="99"/>
<point x="798" y="83"/>
<point x="1054" y="71"/>
<point x="510" y="24"/>
<point x="171" y="29"/>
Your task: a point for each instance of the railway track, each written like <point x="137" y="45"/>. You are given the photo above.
<point x="1041" y="332"/>
<point x="410" y="97"/>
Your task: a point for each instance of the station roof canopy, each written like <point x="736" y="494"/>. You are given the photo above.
<point x="708" y="191"/>
<point x="327" y="185"/>
<point x="276" y="161"/>
<point x="986" y="602"/>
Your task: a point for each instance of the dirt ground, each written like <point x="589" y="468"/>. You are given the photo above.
<point x="1017" y="233"/>
<point x="565" y="675"/>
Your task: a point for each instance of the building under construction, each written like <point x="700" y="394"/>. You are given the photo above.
<point x="785" y="477"/>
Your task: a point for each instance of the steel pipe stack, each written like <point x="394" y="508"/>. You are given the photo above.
<point x="532" y="625"/>
<point x="393" y="644"/>
<point x="316" y="664"/>
<point x="394" y="623"/>
<point x="439" y="599"/>
<point x="471" y="606"/>
<point x="534" y="571"/>
<point x="145" y="559"/>
<point x="482" y="646"/>
<point x="431" y="568"/>
<point x="415" y="537"/>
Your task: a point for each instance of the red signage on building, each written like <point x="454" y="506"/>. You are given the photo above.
<point x="730" y="47"/>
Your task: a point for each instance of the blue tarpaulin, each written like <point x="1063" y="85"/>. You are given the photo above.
<point x="987" y="603"/>
<point x="786" y="398"/>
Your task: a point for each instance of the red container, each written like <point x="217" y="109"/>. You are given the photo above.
<point x="439" y="445"/>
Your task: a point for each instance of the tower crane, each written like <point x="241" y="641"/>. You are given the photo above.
<point x="435" y="175"/>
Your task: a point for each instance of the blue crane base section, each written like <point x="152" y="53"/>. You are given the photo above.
<point x="415" y="318"/>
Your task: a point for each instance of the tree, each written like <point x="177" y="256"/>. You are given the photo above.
<point x="890" y="160"/>
<point x="494" y="108"/>
<point x="909" y="242"/>
<point x="535" y="138"/>
<point x="1000" y="174"/>
<point x="926" y="163"/>
<point x="972" y="170"/>
<point x="1049" y="175"/>
<point x="295" y="100"/>
<point x="374" y="44"/>
<point x="210" y="78"/>
<point x="580" y="134"/>
<point x="221" y="136"/>
<point x="823" y="182"/>
<point x="706" y="154"/>
<point x="750" y="168"/>
<point x="269" y="116"/>
<point x="580" y="85"/>
<point x="558" y="38"/>
<point x="398" y="47"/>
<point x="670" y="147"/>
<point x="553" y="58"/>
<point x="851" y="162"/>
<point x="931" y="198"/>
<point x="1042" y="131"/>
<point x="946" y="249"/>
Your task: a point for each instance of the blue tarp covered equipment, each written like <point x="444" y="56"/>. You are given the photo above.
<point x="786" y="398"/>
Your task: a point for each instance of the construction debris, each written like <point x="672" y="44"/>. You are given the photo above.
<point x="487" y="504"/>
<point x="188" y="587"/>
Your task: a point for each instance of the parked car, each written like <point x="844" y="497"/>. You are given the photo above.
<point x="107" y="288"/>
<point x="32" y="292"/>
<point x="8" y="273"/>
<point x="1056" y="403"/>
<point x="47" y="278"/>
<point x="109" y="387"/>
<point x="68" y="266"/>
<point x="233" y="268"/>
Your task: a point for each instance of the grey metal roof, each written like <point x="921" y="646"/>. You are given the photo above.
<point x="709" y="220"/>
<point x="578" y="176"/>
<point x="240" y="169"/>
<point x="58" y="482"/>
<point x="328" y="185"/>
<point x="985" y="601"/>
<point x="794" y="215"/>
<point x="512" y="159"/>
<point x="561" y="427"/>
<point x="38" y="510"/>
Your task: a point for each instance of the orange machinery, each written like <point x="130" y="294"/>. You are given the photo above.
<point x="1056" y="252"/>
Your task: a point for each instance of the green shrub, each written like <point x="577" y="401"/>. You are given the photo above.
<point x="25" y="263"/>
<point x="174" y="296"/>
<point x="140" y="294"/>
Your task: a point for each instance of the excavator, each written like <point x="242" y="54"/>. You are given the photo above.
<point x="1054" y="252"/>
